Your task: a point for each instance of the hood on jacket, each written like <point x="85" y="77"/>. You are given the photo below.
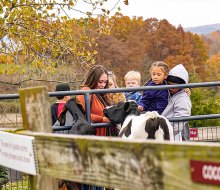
<point x="180" y="72"/>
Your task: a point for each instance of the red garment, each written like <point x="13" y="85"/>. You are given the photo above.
<point x="97" y="114"/>
<point x="56" y="109"/>
<point x="60" y="108"/>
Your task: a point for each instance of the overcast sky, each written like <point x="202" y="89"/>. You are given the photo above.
<point x="188" y="13"/>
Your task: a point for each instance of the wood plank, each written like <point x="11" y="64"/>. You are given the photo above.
<point x="36" y="115"/>
<point x="114" y="162"/>
<point x="35" y="109"/>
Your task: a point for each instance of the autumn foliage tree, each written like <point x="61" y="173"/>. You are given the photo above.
<point x="212" y="41"/>
<point x="135" y="43"/>
<point x="50" y="40"/>
<point x="212" y="68"/>
<point x="42" y="34"/>
<point x="35" y="35"/>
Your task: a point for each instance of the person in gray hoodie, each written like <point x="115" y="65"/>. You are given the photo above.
<point x="179" y="103"/>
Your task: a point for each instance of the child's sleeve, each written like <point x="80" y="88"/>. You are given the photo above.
<point x="146" y="100"/>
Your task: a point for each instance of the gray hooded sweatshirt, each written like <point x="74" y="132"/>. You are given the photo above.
<point x="179" y="104"/>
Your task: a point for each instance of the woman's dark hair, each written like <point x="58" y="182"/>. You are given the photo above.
<point x="94" y="75"/>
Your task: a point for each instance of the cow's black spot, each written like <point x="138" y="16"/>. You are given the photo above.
<point x="128" y="131"/>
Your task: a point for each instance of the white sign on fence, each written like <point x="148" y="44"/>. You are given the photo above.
<point x="18" y="152"/>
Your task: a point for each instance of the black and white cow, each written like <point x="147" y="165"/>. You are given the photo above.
<point x="133" y="125"/>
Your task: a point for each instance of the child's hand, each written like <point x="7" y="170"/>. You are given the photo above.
<point x="187" y="91"/>
<point x="140" y="108"/>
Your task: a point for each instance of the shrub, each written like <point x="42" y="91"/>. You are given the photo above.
<point x="205" y="101"/>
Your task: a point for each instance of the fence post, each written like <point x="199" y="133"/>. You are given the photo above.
<point x="35" y="108"/>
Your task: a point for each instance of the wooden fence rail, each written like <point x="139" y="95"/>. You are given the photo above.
<point x="114" y="162"/>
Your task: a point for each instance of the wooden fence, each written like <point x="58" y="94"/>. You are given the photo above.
<point x="114" y="162"/>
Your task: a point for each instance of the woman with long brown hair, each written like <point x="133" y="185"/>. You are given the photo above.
<point x="97" y="78"/>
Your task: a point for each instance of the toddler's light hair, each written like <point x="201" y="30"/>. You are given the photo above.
<point x="135" y="75"/>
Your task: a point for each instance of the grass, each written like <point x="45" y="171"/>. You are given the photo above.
<point x="17" y="185"/>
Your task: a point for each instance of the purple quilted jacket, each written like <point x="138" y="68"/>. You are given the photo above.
<point x="154" y="100"/>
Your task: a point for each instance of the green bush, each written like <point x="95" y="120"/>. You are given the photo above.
<point x="205" y="101"/>
<point x="3" y="176"/>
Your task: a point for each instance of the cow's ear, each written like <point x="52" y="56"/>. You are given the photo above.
<point x="126" y="106"/>
<point x="128" y="129"/>
<point x="132" y="107"/>
<point x="165" y="128"/>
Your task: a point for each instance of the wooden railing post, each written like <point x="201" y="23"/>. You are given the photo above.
<point x="36" y="116"/>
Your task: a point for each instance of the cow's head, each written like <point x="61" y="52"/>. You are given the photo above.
<point x="117" y="113"/>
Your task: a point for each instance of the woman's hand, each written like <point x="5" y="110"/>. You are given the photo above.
<point x="105" y="120"/>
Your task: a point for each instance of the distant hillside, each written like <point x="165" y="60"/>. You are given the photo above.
<point x="206" y="29"/>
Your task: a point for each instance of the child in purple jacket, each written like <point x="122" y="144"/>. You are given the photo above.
<point x="155" y="100"/>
